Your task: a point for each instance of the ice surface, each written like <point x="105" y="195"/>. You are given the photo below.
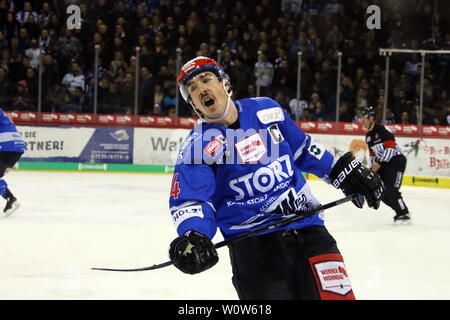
<point x="69" y="222"/>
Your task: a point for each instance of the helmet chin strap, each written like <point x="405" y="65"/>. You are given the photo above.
<point x="225" y="112"/>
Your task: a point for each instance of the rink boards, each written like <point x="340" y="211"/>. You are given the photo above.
<point x="154" y="150"/>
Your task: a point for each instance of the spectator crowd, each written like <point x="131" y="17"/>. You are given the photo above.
<point x="259" y="41"/>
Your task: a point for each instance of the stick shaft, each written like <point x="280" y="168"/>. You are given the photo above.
<point x="250" y="233"/>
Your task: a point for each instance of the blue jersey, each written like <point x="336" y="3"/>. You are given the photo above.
<point x="10" y="139"/>
<point x="241" y="179"/>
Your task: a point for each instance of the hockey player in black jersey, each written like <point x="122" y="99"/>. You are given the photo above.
<point x="388" y="161"/>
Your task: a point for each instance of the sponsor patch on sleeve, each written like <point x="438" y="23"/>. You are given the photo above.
<point x="187" y="212"/>
<point x="316" y="149"/>
<point x="214" y="145"/>
<point x="275" y="133"/>
<point x="270" y="115"/>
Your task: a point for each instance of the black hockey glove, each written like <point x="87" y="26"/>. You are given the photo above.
<point x="193" y="253"/>
<point x="351" y="177"/>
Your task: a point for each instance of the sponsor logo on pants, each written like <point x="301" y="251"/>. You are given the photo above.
<point x="331" y="277"/>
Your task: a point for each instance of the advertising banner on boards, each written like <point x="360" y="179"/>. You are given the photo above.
<point x="84" y="144"/>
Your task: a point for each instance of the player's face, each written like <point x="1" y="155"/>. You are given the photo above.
<point x="367" y="121"/>
<point x="208" y="94"/>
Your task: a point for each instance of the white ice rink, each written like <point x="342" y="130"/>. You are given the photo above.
<point x="70" y="222"/>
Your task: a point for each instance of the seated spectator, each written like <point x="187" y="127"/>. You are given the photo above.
<point x="241" y="76"/>
<point x="21" y="101"/>
<point x="22" y="16"/>
<point x="5" y="87"/>
<point x="345" y="113"/>
<point x="31" y="82"/>
<point x="283" y="77"/>
<point x="412" y="65"/>
<point x="281" y="98"/>
<point x="45" y="14"/>
<point x="157" y="110"/>
<point x="159" y="94"/>
<point x="33" y="53"/>
<point x="3" y="41"/>
<point x="10" y="26"/>
<point x="169" y="101"/>
<point x="45" y="40"/>
<point x="390" y="117"/>
<point x="251" y="90"/>
<point x="24" y="39"/>
<point x="32" y="26"/>
<point x="54" y="98"/>
<point x="68" y="43"/>
<point x="132" y="66"/>
<point x="146" y="91"/>
<point x="405" y="118"/>
<point x="119" y="76"/>
<point x="400" y="104"/>
<point x="166" y="78"/>
<point x="74" y="101"/>
<point x="227" y="62"/>
<point x="147" y="58"/>
<point x="332" y="7"/>
<point x="111" y="102"/>
<point x="74" y="78"/>
<point x="118" y="62"/>
<point x="127" y="92"/>
<point x="264" y="71"/>
<point x="361" y="98"/>
<point x="50" y="73"/>
<point x="316" y="108"/>
<point x="298" y="107"/>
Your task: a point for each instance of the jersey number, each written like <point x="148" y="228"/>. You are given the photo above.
<point x="175" y="190"/>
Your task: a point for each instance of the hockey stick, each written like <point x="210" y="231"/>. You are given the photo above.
<point x="250" y="233"/>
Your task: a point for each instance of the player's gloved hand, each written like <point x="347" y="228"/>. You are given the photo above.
<point x="351" y="177"/>
<point x="193" y="253"/>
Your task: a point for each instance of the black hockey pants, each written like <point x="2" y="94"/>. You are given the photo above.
<point x="7" y="160"/>
<point x="392" y="174"/>
<point x="288" y="265"/>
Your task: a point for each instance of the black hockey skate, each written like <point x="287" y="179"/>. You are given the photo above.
<point x="402" y="218"/>
<point x="11" y="205"/>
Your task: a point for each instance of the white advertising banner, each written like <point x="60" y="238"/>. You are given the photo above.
<point x="54" y="142"/>
<point x="157" y="146"/>
<point x="426" y="156"/>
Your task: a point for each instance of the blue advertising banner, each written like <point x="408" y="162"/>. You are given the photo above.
<point x="109" y="145"/>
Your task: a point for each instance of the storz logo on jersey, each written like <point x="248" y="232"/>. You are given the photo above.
<point x="263" y="179"/>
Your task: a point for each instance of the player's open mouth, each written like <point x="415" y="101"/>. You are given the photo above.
<point x="208" y="101"/>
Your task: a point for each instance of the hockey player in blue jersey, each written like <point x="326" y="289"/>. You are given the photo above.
<point x="11" y="149"/>
<point x="241" y="168"/>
